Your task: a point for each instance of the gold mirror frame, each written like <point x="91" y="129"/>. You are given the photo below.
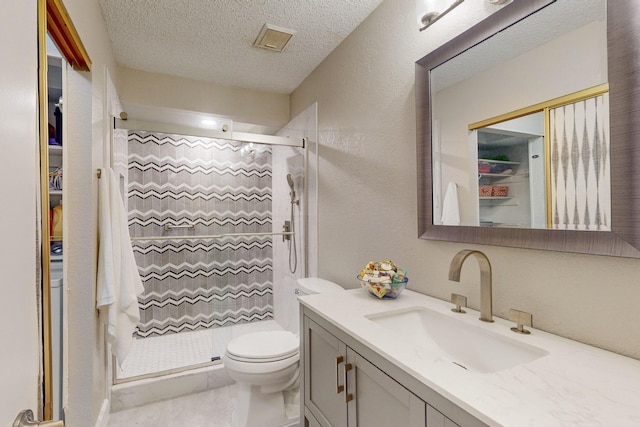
<point x="53" y="19"/>
<point x="623" y="45"/>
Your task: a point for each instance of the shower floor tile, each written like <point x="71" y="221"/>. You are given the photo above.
<point x="167" y="352"/>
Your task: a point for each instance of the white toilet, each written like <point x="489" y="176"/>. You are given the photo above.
<point x="265" y="365"/>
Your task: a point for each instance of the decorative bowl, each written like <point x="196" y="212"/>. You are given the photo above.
<point x="384" y="290"/>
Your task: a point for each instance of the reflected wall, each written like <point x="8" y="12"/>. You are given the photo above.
<point x="570" y="63"/>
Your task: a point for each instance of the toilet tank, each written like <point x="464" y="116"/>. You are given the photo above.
<point x="289" y="314"/>
<point x="316" y="285"/>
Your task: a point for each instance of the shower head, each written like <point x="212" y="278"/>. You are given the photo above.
<point x="293" y="192"/>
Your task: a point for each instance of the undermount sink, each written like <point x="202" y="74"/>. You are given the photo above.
<point x="470" y="347"/>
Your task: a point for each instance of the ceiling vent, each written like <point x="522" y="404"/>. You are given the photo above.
<point x="273" y="38"/>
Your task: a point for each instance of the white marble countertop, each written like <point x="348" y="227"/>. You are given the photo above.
<point x="574" y="385"/>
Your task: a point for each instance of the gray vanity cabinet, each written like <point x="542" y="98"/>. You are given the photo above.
<point x="342" y="388"/>
<point x="344" y="383"/>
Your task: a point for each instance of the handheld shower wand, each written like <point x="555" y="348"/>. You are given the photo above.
<point x="292" y="193"/>
<point x="293" y="255"/>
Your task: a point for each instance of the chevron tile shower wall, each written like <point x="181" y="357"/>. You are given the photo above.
<point x="194" y="284"/>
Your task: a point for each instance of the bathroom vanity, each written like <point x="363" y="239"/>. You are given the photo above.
<point x="413" y="362"/>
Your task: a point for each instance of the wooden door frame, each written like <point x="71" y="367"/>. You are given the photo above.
<point x="53" y="19"/>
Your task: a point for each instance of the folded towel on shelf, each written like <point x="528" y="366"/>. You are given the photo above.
<point x="118" y="282"/>
<point x="450" y="207"/>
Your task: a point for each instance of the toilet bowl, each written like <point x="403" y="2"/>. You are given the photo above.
<point x="266" y="367"/>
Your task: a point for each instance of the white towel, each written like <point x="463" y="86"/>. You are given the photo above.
<point x="118" y="283"/>
<point x="450" y="209"/>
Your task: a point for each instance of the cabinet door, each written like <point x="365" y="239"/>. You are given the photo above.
<point x="436" y="419"/>
<point x="376" y="400"/>
<point x="324" y="364"/>
<point x="310" y="420"/>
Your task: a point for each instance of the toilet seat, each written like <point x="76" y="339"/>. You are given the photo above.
<point x="271" y="352"/>
<point x="242" y="367"/>
<point x="263" y="347"/>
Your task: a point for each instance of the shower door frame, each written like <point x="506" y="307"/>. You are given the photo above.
<point x="149" y="126"/>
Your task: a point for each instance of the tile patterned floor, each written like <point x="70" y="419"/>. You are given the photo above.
<point x="210" y="408"/>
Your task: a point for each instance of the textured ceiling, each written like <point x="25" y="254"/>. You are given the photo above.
<point x="212" y="40"/>
<point x="553" y="21"/>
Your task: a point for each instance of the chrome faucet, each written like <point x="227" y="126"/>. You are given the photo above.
<point x="486" y="314"/>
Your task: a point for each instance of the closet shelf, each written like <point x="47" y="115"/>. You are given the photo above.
<point x="500" y="162"/>
<point x="496" y="175"/>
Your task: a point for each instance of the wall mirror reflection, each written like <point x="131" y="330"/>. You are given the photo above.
<point x="547" y="169"/>
<point x="522" y="123"/>
<point x="566" y="185"/>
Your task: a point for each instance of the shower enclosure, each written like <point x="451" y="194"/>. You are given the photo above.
<point x="201" y="218"/>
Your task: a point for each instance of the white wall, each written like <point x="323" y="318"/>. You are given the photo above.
<point x="367" y="187"/>
<point x="82" y="358"/>
<point x="242" y="105"/>
<point x="86" y="374"/>
<point x="19" y="357"/>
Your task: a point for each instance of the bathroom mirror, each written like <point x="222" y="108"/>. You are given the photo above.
<point x="621" y="46"/>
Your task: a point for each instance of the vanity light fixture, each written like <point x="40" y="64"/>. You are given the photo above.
<point x="429" y="11"/>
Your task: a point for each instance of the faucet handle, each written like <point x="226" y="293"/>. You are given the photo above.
<point x="459" y="301"/>
<point x="522" y="319"/>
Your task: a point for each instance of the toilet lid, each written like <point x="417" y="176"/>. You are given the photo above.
<point x="315" y="285"/>
<point x="272" y="345"/>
